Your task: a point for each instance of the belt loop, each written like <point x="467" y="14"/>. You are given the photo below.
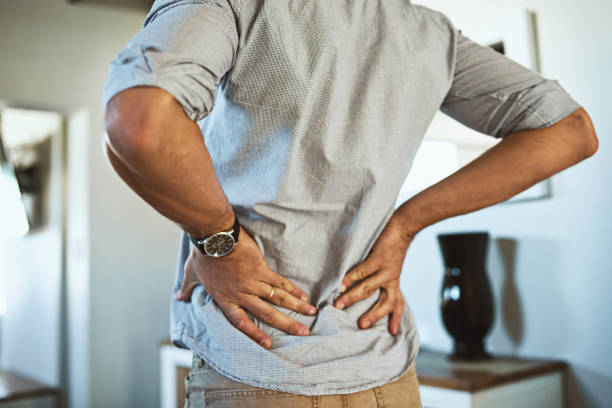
<point x="196" y="361"/>
<point x="379" y="398"/>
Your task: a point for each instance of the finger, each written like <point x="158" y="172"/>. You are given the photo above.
<point x="264" y="311"/>
<point x="358" y="273"/>
<point x="396" y="316"/>
<point x="285" y="299"/>
<point x="363" y="290"/>
<point x="280" y="281"/>
<point x="240" y="320"/>
<point x="381" y="308"/>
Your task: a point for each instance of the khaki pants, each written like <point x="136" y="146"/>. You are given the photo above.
<point x="207" y="388"/>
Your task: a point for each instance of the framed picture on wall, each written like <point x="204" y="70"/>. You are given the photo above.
<point x="27" y="137"/>
<point x="13" y="217"/>
<point x="449" y="145"/>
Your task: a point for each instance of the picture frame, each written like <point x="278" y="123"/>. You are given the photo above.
<point x="13" y="218"/>
<point x="29" y="140"/>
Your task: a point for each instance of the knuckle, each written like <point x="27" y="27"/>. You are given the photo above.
<point x="284" y="283"/>
<point x="368" y="290"/>
<point x="233" y="288"/>
<point x="388" y="295"/>
<point x="239" y="285"/>
<point x="375" y="261"/>
<point x="267" y="316"/>
<point x="355" y="274"/>
<point x="369" y="317"/>
<point x="361" y="273"/>
<point x="280" y="298"/>
<point x="348" y="299"/>
<point x="238" y="323"/>
<point x="377" y="316"/>
<point x="242" y="299"/>
<point x="232" y="295"/>
<point x="294" y="327"/>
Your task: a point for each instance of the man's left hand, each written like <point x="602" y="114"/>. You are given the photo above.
<point x="381" y="269"/>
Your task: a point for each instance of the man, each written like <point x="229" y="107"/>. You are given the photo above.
<point x="288" y="275"/>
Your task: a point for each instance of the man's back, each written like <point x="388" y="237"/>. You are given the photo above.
<point x="316" y="125"/>
<point x="319" y="109"/>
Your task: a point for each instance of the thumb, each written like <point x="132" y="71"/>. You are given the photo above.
<point x="358" y="273"/>
<point x="187" y="287"/>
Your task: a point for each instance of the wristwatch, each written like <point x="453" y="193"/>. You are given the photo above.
<point x="220" y="243"/>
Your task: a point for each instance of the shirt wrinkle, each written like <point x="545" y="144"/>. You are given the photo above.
<point x="316" y="123"/>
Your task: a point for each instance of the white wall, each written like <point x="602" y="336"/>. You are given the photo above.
<point x="549" y="260"/>
<point x="56" y="55"/>
<point x="32" y="265"/>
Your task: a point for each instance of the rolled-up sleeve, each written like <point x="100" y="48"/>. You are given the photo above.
<point x="497" y="96"/>
<point x="184" y="47"/>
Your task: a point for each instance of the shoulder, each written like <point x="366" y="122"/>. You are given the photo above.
<point x="161" y="6"/>
<point x="431" y="16"/>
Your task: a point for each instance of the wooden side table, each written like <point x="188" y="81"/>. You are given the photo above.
<point x="14" y="387"/>
<point x="175" y="364"/>
<point x="503" y="381"/>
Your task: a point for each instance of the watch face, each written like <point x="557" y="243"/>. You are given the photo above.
<point x="222" y="243"/>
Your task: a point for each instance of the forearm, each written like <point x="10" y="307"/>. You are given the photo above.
<point x="159" y="152"/>
<point x="511" y="166"/>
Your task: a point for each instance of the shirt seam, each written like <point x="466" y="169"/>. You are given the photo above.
<point x="204" y="3"/>
<point x="267" y="106"/>
<point x="533" y="110"/>
<point x="169" y="7"/>
<point x="516" y="99"/>
<point x="153" y="79"/>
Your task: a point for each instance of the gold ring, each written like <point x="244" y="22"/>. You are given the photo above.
<point x="271" y="293"/>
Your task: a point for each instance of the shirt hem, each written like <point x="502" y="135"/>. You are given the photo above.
<point x="192" y="345"/>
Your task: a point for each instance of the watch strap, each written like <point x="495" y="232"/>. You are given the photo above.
<point x="236" y="229"/>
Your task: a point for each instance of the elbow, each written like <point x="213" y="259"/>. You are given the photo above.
<point x="585" y="130"/>
<point x="134" y="121"/>
<point x="593" y="145"/>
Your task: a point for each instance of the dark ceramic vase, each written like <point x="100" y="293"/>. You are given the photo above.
<point x="466" y="297"/>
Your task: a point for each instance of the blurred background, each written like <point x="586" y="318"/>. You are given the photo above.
<point x="86" y="267"/>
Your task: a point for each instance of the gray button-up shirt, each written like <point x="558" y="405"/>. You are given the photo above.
<point x="319" y="109"/>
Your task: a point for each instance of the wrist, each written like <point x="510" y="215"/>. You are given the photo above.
<point x="406" y="222"/>
<point x="222" y="222"/>
<point x="219" y="243"/>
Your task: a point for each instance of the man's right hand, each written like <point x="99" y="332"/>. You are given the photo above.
<point x="242" y="280"/>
